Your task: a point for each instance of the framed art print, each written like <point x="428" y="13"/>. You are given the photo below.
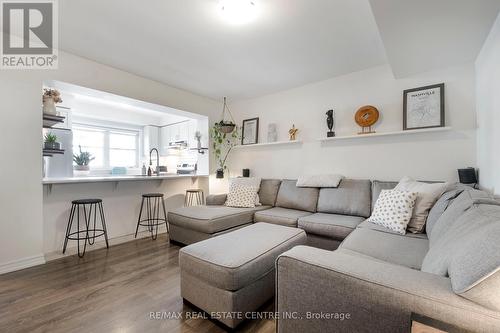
<point x="250" y="132"/>
<point x="423" y="107"/>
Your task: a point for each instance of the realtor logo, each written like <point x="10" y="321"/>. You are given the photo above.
<point x="29" y="34"/>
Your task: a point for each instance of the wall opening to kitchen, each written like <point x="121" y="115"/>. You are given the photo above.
<point x="102" y="134"/>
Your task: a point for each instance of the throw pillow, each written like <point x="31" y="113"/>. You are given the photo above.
<point x="393" y="210"/>
<point x="248" y="181"/>
<point x="426" y="198"/>
<point x="319" y="181"/>
<point x="241" y="196"/>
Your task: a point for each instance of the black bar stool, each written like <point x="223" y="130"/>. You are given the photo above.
<point x="89" y="234"/>
<point x="153" y="219"/>
<point x="194" y="197"/>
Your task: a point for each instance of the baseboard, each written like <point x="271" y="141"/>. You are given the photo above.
<point x="22" y="264"/>
<point x="72" y="249"/>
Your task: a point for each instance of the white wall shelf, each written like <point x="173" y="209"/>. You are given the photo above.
<point x="365" y="136"/>
<point x="277" y="143"/>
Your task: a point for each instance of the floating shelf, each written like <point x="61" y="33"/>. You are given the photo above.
<point x="365" y="136"/>
<point x="277" y="143"/>
<point x="50" y="120"/>
<point x="51" y="152"/>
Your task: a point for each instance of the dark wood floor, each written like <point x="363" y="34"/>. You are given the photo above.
<point x="107" y="291"/>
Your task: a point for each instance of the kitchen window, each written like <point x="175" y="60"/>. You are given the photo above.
<point x="111" y="147"/>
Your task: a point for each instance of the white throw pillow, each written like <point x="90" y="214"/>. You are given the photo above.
<point x="427" y="195"/>
<point x="241" y="196"/>
<point x="393" y="210"/>
<point x="319" y="181"/>
<point x="248" y="181"/>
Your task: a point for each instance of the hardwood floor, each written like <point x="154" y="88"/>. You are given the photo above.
<point x="111" y="290"/>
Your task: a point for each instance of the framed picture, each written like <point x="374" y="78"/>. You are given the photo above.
<point x="423" y="107"/>
<point x="250" y="132"/>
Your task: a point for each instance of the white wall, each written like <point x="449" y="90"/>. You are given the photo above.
<point x="432" y="156"/>
<point x="21" y="222"/>
<point x="488" y="110"/>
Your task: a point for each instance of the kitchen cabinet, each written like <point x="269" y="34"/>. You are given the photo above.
<point x="151" y="138"/>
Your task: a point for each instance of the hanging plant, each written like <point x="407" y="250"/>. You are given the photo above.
<point x="223" y="143"/>
<point x="225" y="126"/>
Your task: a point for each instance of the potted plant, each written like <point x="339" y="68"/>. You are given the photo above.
<point x="223" y="143"/>
<point x="225" y="126"/>
<point x="50" y="98"/>
<point x="50" y="142"/>
<point x="82" y="160"/>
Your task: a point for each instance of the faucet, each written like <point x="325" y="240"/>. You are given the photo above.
<point x="157" y="160"/>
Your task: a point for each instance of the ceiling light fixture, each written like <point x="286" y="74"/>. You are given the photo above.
<point x="238" y="11"/>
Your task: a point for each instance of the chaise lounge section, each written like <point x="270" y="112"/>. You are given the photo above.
<point x="380" y="278"/>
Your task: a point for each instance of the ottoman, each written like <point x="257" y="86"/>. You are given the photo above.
<point x="232" y="274"/>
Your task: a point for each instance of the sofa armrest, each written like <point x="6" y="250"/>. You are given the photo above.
<point x="216" y="199"/>
<point x="343" y="291"/>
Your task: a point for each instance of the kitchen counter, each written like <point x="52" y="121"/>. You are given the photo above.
<point x="113" y="178"/>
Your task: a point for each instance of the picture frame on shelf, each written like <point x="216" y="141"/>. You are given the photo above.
<point x="250" y="131"/>
<point x="423" y="107"/>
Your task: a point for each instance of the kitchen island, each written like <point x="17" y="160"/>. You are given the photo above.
<point x="121" y="196"/>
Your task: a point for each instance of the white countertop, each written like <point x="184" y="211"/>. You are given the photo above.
<point x="112" y="178"/>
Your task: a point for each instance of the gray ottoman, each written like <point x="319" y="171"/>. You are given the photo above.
<point x="232" y="274"/>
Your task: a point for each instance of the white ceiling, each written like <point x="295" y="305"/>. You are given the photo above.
<point x="429" y="34"/>
<point x="186" y="44"/>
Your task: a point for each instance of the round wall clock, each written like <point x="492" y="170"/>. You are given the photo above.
<point x="366" y="117"/>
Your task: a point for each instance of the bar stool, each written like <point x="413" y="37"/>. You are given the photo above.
<point x="89" y="234"/>
<point x="153" y="219"/>
<point x="194" y="197"/>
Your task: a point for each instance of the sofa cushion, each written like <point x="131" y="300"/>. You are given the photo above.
<point x="329" y="225"/>
<point x="389" y="247"/>
<point x="462" y="203"/>
<point x="352" y="197"/>
<point x="439" y="207"/>
<point x="268" y="191"/>
<point x="279" y="215"/>
<point x="475" y="267"/>
<point x="378" y="186"/>
<point x="457" y="235"/>
<point x="211" y="219"/>
<point x="235" y="260"/>
<point x="370" y="225"/>
<point x="300" y="198"/>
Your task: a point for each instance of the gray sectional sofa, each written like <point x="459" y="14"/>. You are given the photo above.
<point x="375" y="280"/>
<point x="327" y="215"/>
<point x="379" y="279"/>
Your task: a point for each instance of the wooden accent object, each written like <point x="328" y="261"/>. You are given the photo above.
<point x="366" y="117"/>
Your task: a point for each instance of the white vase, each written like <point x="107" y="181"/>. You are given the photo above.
<point x="49" y="106"/>
<point x="272" y="133"/>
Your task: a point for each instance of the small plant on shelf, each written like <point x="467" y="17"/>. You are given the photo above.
<point x="223" y="143"/>
<point x="50" y="141"/>
<point x="82" y="160"/>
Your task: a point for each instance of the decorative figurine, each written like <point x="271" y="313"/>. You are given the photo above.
<point x="293" y="132"/>
<point x="272" y="134"/>
<point x="330" y="122"/>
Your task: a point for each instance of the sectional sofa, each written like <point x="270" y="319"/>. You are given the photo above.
<point x="375" y="280"/>
<point x="327" y="215"/>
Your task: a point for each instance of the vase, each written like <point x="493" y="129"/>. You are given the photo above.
<point x="219" y="174"/>
<point x="81" y="170"/>
<point x="272" y="134"/>
<point x="49" y="106"/>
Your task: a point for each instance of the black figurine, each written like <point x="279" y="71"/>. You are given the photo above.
<point x="330" y="123"/>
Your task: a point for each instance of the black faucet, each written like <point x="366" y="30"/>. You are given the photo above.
<point x="157" y="160"/>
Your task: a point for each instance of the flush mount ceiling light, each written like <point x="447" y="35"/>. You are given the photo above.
<point x="238" y="11"/>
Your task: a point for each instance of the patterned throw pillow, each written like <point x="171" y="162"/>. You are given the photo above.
<point x="242" y="196"/>
<point x="394" y="209"/>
